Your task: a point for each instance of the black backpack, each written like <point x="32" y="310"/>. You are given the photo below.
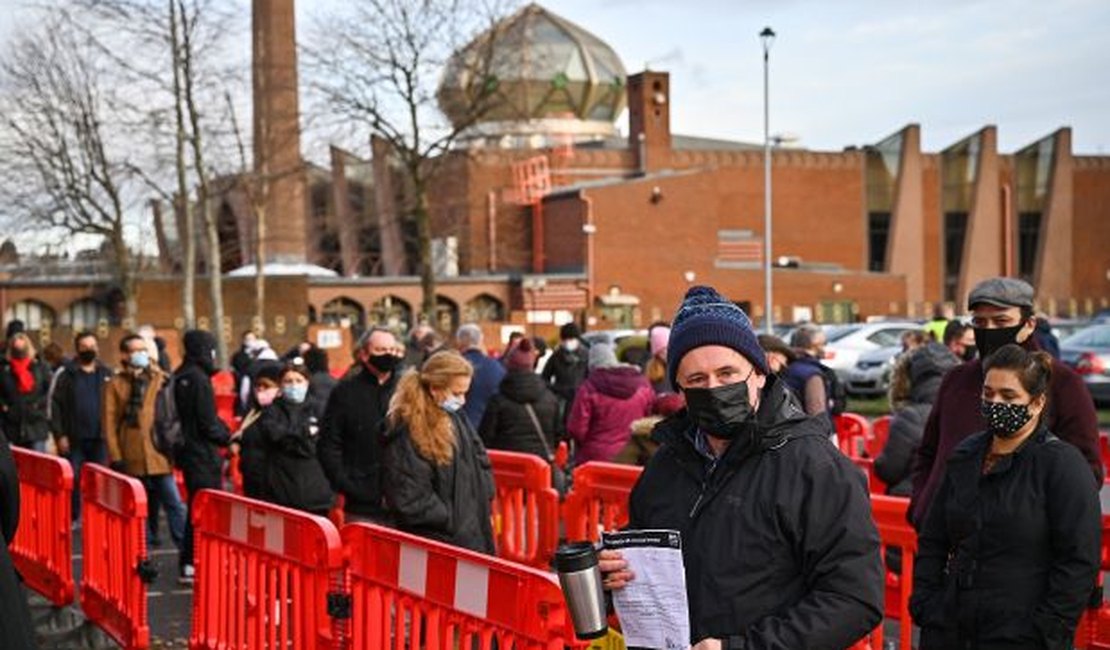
<point x="835" y="391"/>
<point x="167" y="435"/>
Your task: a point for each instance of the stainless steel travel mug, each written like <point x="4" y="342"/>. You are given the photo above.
<point x="580" y="579"/>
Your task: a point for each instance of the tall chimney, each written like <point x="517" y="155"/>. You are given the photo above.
<point x="277" y="135"/>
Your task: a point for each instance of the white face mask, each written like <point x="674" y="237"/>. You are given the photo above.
<point x="570" y="344"/>
<point x="452" y="404"/>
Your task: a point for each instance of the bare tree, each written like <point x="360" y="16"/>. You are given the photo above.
<point x="63" y="171"/>
<point x="379" y="70"/>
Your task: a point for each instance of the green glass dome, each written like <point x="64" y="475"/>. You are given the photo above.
<point x="538" y="74"/>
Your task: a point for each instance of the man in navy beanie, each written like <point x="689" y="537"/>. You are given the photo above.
<point x="777" y="536"/>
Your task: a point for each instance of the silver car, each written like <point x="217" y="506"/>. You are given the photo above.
<point x="871" y="375"/>
<point x="847" y="342"/>
<point x="1088" y="353"/>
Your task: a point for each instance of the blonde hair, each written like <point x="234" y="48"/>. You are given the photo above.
<point x="412" y="405"/>
<point x="656" y="370"/>
<point x="22" y="336"/>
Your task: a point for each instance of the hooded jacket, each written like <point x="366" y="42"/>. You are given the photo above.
<point x="606" y="405"/>
<point x="507" y="424"/>
<point x="566" y="370"/>
<point x="778" y="542"/>
<point x="203" y="431"/>
<point x="1008" y="559"/>
<point x="448" y="503"/>
<point x="290" y="474"/>
<point x="1071" y="416"/>
<point x="927" y="366"/>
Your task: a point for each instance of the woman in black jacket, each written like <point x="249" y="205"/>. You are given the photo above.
<point x="287" y="434"/>
<point x="24" y="386"/>
<point x="437" y="477"/>
<point x="524" y="415"/>
<point x="1010" y="548"/>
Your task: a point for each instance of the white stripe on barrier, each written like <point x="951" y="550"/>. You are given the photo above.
<point x="275" y="532"/>
<point x="471" y="589"/>
<point x="238" y="522"/>
<point x="412" y="575"/>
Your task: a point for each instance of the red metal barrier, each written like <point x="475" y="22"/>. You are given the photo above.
<point x="525" y="510"/>
<point x="890" y="519"/>
<point x="113" y="542"/>
<point x="598" y="499"/>
<point x="410" y="592"/>
<point x="880" y="431"/>
<point x="852" y="431"/>
<point x="43" y="546"/>
<point x="265" y="576"/>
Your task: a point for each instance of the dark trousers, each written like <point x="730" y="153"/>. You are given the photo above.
<point x="194" y="484"/>
<point x="81" y="451"/>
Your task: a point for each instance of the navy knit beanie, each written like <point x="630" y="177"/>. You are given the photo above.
<point x="708" y="318"/>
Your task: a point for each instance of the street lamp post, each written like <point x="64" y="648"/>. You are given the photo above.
<point x="767" y="36"/>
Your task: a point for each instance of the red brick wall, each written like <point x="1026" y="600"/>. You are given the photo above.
<point x="1091" y="237"/>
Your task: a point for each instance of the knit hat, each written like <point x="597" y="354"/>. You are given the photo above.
<point x="298" y="366"/>
<point x="658" y="339"/>
<point x="569" y="331"/>
<point x="602" y="356"/>
<point x="708" y="318"/>
<point x="522" y="358"/>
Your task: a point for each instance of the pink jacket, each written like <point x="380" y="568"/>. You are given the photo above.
<point x="603" y="411"/>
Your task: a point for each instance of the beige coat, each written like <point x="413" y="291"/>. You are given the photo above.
<point x="133" y="445"/>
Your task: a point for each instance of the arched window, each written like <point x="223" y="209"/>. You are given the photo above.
<point x="85" y="314"/>
<point x="341" y="309"/>
<point x="34" y="314"/>
<point x="447" y="314"/>
<point x="393" y="313"/>
<point x="484" y="307"/>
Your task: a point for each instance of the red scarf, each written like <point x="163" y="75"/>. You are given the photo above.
<point x="24" y="380"/>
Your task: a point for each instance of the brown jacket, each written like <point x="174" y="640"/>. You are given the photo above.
<point x="133" y="445"/>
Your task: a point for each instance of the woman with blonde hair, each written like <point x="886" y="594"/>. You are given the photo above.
<point x="437" y="477"/>
<point x="24" y="384"/>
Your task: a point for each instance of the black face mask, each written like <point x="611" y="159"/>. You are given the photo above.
<point x="383" y="363"/>
<point x="989" y="340"/>
<point x="723" y="412"/>
<point x="969" y="353"/>
<point x="86" y="356"/>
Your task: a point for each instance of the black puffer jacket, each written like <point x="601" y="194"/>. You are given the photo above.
<point x="291" y="475"/>
<point x="16" y="628"/>
<point x="507" y="424"/>
<point x="1008" y="559"/>
<point x="778" y="541"/>
<point x="449" y="503"/>
<point x="350" y="447"/>
<point x="565" y="371"/>
<point x="926" y="367"/>
<point x="23" y="415"/>
<point x="203" y="431"/>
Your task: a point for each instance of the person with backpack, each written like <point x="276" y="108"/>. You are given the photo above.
<point x="129" y="418"/>
<point x="815" y="384"/>
<point x="202" y="430"/>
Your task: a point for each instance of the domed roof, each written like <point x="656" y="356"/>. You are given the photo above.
<point x="536" y="73"/>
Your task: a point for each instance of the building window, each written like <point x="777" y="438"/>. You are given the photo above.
<point x="1029" y="236"/>
<point x="955" y="230"/>
<point x="878" y="234"/>
<point x="1033" y="178"/>
<point x="959" y="173"/>
<point x="883" y="162"/>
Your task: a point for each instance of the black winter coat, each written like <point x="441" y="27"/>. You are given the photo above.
<point x="64" y="409"/>
<point x="16" y="628"/>
<point x="285" y="439"/>
<point x="204" y="432"/>
<point x="1008" y="559"/>
<point x="448" y="503"/>
<point x="565" y="371"/>
<point x="778" y="541"/>
<point x="350" y="446"/>
<point x="23" y="416"/>
<point x="507" y="425"/>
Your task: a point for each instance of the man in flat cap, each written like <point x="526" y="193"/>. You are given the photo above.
<point x="1002" y="312"/>
<point x="777" y="538"/>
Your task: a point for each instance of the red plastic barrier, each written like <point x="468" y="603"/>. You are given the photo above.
<point x="225" y="410"/>
<point x="880" y="431"/>
<point x="1104" y="451"/>
<point x="410" y="592"/>
<point x="890" y="519"/>
<point x="852" y="431"/>
<point x="598" y="499"/>
<point x="43" y="546"/>
<point x="525" y="510"/>
<point x="266" y="576"/>
<point x="113" y="541"/>
<point x="223" y="382"/>
<point x="1093" y="631"/>
<point x="875" y="485"/>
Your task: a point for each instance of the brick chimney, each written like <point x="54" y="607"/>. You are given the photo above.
<point x="649" y="119"/>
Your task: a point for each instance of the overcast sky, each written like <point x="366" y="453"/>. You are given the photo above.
<point x="853" y="71"/>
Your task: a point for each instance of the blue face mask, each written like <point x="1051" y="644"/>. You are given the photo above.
<point x="294" y="393"/>
<point x="140" y="359"/>
<point x="452" y="404"/>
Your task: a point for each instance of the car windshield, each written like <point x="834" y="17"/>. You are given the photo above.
<point x="1092" y="337"/>
<point x="837" y="332"/>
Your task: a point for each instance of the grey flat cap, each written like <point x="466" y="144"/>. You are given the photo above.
<point x="1001" y="292"/>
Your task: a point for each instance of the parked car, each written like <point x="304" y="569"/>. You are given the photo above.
<point x="1065" y="327"/>
<point x="871" y="375"/>
<point x="612" y="337"/>
<point x="847" y="342"/>
<point x="1088" y="352"/>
